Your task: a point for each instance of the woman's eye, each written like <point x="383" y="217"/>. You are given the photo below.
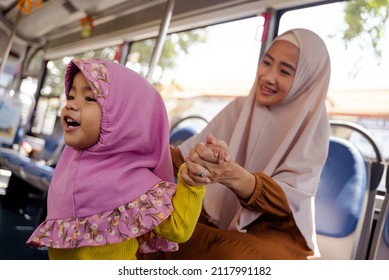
<point x="285" y="72"/>
<point x="266" y="62"/>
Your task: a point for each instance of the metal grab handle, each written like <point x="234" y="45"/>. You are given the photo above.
<point x="377" y="167"/>
<point x="187" y="118"/>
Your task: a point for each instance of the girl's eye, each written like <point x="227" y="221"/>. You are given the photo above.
<point x="90" y="98"/>
<point x="69" y="97"/>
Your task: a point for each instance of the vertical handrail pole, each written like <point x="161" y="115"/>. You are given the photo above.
<point x="161" y="38"/>
<point x="269" y="31"/>
<point x="7" y="49"/>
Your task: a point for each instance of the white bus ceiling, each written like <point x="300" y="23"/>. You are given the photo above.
<point x="56" y="24"/>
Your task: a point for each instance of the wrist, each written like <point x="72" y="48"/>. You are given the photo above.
<point x="240" y="181"/>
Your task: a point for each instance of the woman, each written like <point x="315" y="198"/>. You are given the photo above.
<point x="260" y="203"/>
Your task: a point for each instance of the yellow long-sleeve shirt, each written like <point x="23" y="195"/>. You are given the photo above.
<point x="178" y="227"/>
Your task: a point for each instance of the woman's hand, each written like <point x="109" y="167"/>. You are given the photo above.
<point x="205" y="158"/>
<point x="220" y="148"/>
<point x="211" y="163"/>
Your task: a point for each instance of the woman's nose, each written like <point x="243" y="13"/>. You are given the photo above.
<point x="270" y="76"/>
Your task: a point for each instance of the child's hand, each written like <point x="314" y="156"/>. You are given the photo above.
<point x="186" y="178"/>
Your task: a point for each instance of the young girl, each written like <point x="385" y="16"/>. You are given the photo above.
<point x="112" y="191"/>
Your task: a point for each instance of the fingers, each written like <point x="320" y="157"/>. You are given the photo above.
<point x="211" y="139"/>
<point x="202" y="152"/>
<point x="211" y="153"/>
<point x="185" y="175"/>
<point x="205" y="161"/>
<point x="198" y="173"/>
<point x="223" y="153"/>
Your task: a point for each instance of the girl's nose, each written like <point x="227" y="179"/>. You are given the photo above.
<point x="71" y="105"/>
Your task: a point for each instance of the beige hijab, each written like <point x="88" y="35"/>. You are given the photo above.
<point x="288" y="141"/>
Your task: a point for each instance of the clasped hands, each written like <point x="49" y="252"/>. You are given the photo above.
<point x="208" y="162"/>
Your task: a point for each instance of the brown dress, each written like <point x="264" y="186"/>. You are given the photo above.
<point x="273" y="236"/>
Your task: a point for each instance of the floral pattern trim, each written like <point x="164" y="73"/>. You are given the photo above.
<point x="135" y="219"/>
<point x="96" y="73"/>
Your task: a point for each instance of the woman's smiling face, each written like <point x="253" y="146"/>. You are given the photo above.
<point x="81" y="116"/>
<point x="276" y="72"/>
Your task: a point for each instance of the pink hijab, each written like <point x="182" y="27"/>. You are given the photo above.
<point x="132" y="154"/>
<point x="288" y="141"/>
<point x="120" y="188"/>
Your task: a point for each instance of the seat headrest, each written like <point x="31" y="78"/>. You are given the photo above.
<point x="341" y="189"/>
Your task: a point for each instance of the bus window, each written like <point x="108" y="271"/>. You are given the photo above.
<point x="359" y="87"/>
<point x="202" y="70"/>
<point x="46" y="114"/>
<point x="51" y="98"/>
<point x="29" y="82"/>
<point x="140" y="54"/>
<point x="31" y="73"/>
<point x="5" y="82"/>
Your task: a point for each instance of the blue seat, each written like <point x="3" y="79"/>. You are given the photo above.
<point x="179" y="131"/>
<point x="36" y="172"/>
<point x="12" y="160"/>
<point x="31" y="176"/>
<point x="39" y="169"/>
<point x="6" y="154"/>
<point x="52" y="142"/>
<point x="180" y="134"/>
<point x="341" y="201"/>
<point x="39" y="173"/>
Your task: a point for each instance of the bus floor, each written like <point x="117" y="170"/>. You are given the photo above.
<point x="19" y="215"/>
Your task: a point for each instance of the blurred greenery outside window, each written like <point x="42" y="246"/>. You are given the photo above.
<point x="356" y="37"/>
<point x="201" y="70"/>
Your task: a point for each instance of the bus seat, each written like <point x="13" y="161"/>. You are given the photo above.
<point x="179" y="131"/>
<point x="375" y="166"/>
<point x="39" y="173"/>
<point x="6" y="153"/>
<point x="31" y="174"/>
<point x="380" y="243"/>
<point x="12" y="160"/>
<point x="52" y="142"/>
<point x="341" y="201"/>
<point x="36" y="172"/>
<point x="180" y="134"/>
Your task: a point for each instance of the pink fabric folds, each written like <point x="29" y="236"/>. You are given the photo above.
<point x="130" y="158"/>
<point x="132" y="220"/>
